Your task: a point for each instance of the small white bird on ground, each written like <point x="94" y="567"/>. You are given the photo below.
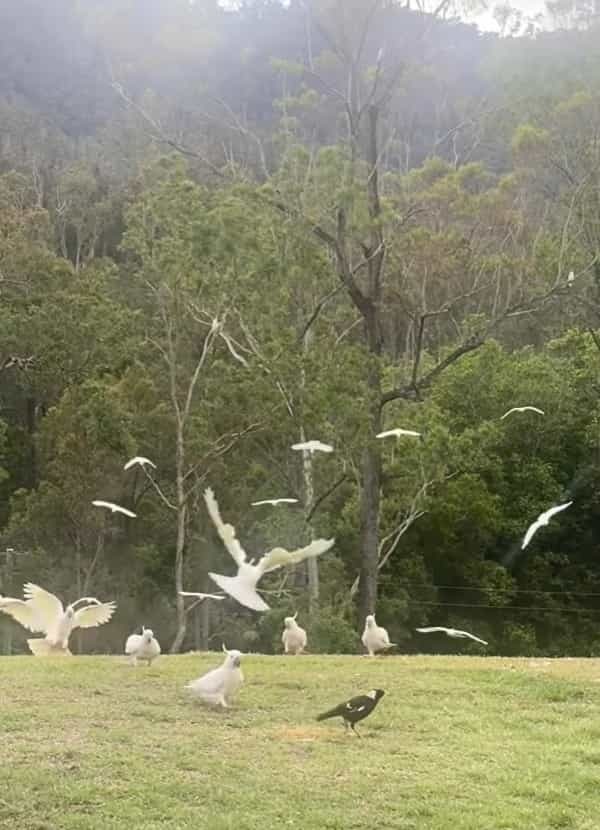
<point x="114" y="508"/>
<point x="398" y="433"/>
<point x="542" y="520"/>
<point x="42" y="612"/>
<point x="274" y="502"/>
<point x="243" y="586"/>
<point x="139" y="460"/>
<point x="375" y="637"/>
<point x="522" y="409"/>
<point x="219" y="686"/>
<point x="294" y="636"/>
<point x="313" y="446"/>
<point x="452" y="632"/>
<point x="571" y="277"/>
<point x="142" y="646"/>
<point x="200" y="595"/>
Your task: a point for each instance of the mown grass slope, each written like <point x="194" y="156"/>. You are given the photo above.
<point x="462" y="743"/>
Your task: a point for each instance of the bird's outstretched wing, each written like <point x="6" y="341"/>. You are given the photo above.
<point x="531" y="531"/>
<point x="115" y="508"/>
<point x="431" y="628"/>
<point x="313" y="446"/>
<point x="141" y="460"/>
<point x="94" y="615"/>
<point x="554" y="510"/>
<point x="200" y="595"/>
<point x="24" y="613"/>
<point x="225" y="531"/>
<point x="398" y="432"/>
<point x="48" y="607"/>
<point x="274" y="502"/>
<point x="470" y="636"/>
<point x="280" y="556"/>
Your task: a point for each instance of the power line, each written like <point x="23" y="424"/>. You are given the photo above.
<point x="484" y="588"/>
<point x="509" y="607"/>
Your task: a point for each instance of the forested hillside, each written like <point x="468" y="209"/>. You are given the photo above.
<point x="223" y="232"/>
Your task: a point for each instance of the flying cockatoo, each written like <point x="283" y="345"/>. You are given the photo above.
<point x="375" y="638"/>
<point x="452" y="632"/>
<point x="199" y="595"/>
<point x="398" y="433"/>
<point x="313" y="446"/>
<point x="42" y="612"/>
<point x="542" y="520"/>
<point x="220" y="685"/>
<point x="139" y="460"/>
<point x="114" y="508"/>
<point x="243" y="586"/>
<point x="293" y="637"/>
<point x="522" y="409"/>
<point x="142" y="646"/>
<point x="274" y="502"/>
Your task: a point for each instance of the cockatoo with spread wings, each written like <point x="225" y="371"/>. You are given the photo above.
<point x="243" y="586"/>
<point x="43" y="613"/>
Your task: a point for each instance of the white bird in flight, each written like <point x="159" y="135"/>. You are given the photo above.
<point x="142" y="646"/>
<point x="522" y="409"/>
<point x="243" y="586"/>
<point x="542" y="520"/>
<point x="141" y="460"/>
<point x="452" y="632"/>
<point x="274" y="502"/>
<point x="220" y="685"/>
<point x="42" y="612"/>
<point x="313" y="446"/>
<point x="398" y="433"/>
<point x="199" y="595"/>
<point x="114" y="508"/>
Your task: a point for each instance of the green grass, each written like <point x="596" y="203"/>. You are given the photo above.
<point x="457" y="742"/>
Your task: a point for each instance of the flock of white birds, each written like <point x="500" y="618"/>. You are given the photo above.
<point x="41" y="612"/>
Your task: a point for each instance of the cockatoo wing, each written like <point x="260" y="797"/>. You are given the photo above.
<point x="386" y="433"/>
<point x="49" y="607"/>
<point x="133" y="643"/>
<point x="241" y="591"/>
<point x="280" y="556"/>
<point x="94" y="615"/>
<point x="225" y="531"/>
<point x="545" y="517"/>
<point x="431" y="628"/>
<point x="200" y="595"/>
<point x="141" y="460"/>
<point x="274" y="502"/>
<point x="211" y="683"/>
<point x="24" y="613"/>
<point x="115" y="508"/>
<point x="470" y="636"/>
<point x="531" y="531"/>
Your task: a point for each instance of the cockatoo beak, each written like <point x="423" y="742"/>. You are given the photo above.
<point x="236" y="662"/>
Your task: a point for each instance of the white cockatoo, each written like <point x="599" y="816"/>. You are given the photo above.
<point x="42" y="612"/>
<point x="139" y="460"/>
<point x="243" y="586"/>
<point x="219" y="686"/>
<point x="398" y="433"/>
<point x="312" y="446"/>
<point x="523" y="409"/>
<point x="375" y="637"/>
<point x="293" y="637"/>
<point x="199" y="595"/>
<point x="142" y="646"/>
<point x="542" y="520"/>
<point x="114" y="508"/>
<point x="274" y="502"/>
<point x="452" y="632"/>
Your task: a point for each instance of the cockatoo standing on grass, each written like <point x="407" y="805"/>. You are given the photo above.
<point x="243" y="586"/>
<point x="42" y="612"/>
<point x="293" y="637"/>
<point x="219" y="686"/>
<point x="142" y="646"/>
<point x="375" y="638"/>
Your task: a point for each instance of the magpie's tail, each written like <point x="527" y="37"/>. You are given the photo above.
<point x="336" y="712"/>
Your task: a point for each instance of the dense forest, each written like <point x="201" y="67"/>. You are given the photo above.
<point x="226" y="231"/>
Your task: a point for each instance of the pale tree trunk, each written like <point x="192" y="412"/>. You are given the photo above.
<point x="180" y="541"/>
<point x="312" y="563"/>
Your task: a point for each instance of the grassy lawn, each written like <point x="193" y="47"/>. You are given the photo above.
<point x="462" y="743"/>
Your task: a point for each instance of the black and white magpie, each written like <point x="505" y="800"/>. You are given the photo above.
<point x="355" y="709"/>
